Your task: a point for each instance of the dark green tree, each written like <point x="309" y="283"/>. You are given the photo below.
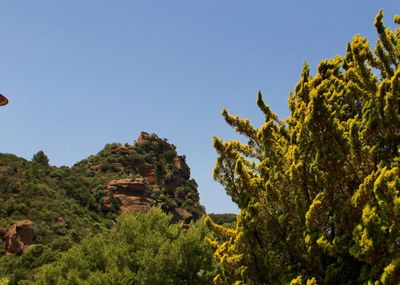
<point x="40" y="158"/>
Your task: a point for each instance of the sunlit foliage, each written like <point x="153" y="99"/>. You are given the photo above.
<point x="140" y="249"/>
<point x="319" y="192"/>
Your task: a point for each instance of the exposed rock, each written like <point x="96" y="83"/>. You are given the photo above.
<point x="180" y="164"/>
<point x="160" y="169"/>
<point x="131" y="195"/>
<point x="128" y="186"/>
<point x="181" y="215"/>
<point x="144" y="136"/>
<point x="149" y="173"/>
<point x="19" y="236"/>
<point x="164" y="145"/>
<point x="120" y="150"/>
<point x="132" y="204"/>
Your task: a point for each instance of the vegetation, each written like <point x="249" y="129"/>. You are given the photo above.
<point x="319" y="193"/>
<point x="41" y="158"/>
<point x="140" y="249"/>
<point x="228" y="220"/>
<point x="66" y="204"/>
<point x="41" y="193"/>
<point x="117" y="161"/>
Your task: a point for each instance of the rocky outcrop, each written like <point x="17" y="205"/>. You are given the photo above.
<point x="147" y="171"/>
<point x="163" y="143"/>
<point x="131" y="195"/>
<point x="128" y="186"/>
<point x="154" y="175"/>
<point x="120" y="150"/>
<point x="19" y="236"/>
<point x="183" y="215"/>
<point x="132" y="204"/>
<point x="144" y="136"/>
<point x="180" y="164"/>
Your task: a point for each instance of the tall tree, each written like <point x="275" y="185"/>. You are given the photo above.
<point x="319" y="193"/>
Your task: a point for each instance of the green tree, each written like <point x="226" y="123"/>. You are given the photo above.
<point x="139" y="249"/>
<point x="41" y="158"/>
<point x="319" y="193"/>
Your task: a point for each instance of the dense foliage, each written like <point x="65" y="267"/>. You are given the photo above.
<point x="66" y="204"/>
<point x="228" y="220"/>
<point x="42" y="194"/>
<point x="319" y="193"/>
<point x="140" y="249"/>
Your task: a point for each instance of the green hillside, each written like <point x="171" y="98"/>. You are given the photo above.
<point x="45" y="209"/>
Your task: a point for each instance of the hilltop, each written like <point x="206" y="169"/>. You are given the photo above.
<point x="46" y="209"/>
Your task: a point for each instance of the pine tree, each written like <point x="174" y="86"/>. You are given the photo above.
<point x="40" y="158"/>
<point x="319" y="193"/>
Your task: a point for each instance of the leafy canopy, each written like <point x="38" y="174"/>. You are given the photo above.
<point x="319" y="192"/>
<point x="139" y="249"/>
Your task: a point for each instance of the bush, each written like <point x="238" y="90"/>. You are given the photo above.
<point x="139" y="249"/>
<point x="40" y="158"/>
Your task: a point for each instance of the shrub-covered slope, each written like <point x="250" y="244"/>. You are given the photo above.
<point x="45" y="196"/>
<point x="44" y="210"/>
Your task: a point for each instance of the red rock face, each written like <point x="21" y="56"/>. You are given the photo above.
<point x="130" y="187"/>
<point x="19" y="236"/>
<point x="149" y="173"/>
<point x="132" y="204"/>
<point x="120" y="150"/>
<point x="180" y="164"/>
<point x="131" y="194"/>
<point x="145" y="137"/>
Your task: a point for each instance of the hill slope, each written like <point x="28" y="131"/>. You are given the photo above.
<point x="46" y="209"/>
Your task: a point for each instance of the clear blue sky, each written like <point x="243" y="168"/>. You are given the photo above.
<point x="80" y="74"/>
